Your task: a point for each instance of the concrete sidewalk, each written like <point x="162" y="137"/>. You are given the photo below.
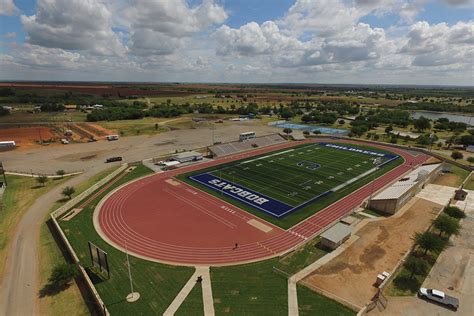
<point x="202" y="271"/>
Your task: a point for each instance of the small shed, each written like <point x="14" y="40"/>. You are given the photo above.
<point x="336" y="235"/>
<point x="470" y="148"/>
<point x="460" y="195"/>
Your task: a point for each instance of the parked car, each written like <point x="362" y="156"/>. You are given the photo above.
<point x="112" y="159"/>
<point x="439" y="297"/>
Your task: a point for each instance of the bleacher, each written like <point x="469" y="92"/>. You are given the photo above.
<point x="237" y="146"/>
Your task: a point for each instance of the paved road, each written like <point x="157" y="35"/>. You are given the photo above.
<point x="19" y="290"/>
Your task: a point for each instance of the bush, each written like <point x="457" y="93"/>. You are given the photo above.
<point x="454" y="212"/>
<point x="68" y="191"/>
<point x="456" y="155"/>
<point x="42" y="179"/>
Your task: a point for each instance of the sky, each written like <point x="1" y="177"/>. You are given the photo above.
<point x="239" y="41"/>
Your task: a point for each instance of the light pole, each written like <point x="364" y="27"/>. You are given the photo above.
<point x="132" y="296"/>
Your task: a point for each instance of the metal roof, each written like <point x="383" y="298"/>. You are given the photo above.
<point x="400" y="187"/>
<point x="337" y="232"/>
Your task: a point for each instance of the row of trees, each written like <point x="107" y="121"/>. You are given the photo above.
<point x="428" y="246"/>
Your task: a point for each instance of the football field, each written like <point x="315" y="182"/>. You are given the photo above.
<point x="282" y="182"/>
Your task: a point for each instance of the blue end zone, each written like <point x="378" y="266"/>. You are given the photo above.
<point x="247" y="196"/>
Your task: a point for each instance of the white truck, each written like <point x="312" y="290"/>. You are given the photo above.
<point x="439" y="297"/>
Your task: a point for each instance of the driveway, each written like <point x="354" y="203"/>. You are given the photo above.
<point x="453" y="273"/>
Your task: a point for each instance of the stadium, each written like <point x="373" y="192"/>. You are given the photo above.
<point x="247" y="206"/>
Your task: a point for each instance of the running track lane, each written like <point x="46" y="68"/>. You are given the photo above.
<point x="181" y="224"/>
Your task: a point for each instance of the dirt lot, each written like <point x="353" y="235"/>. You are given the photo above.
<point x="447" y="179"/>
<point x="381" y="244"/>
<point x="26" y="137"/>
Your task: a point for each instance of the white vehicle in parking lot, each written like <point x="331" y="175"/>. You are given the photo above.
<point x="440" y="297"/>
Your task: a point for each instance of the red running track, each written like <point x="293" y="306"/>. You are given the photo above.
<point x="177" y="223"/>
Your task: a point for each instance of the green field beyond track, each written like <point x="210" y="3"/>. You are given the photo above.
<point x="296" y="175"/>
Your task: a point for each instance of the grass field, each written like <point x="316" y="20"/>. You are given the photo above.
<point x="305" y="178"/>
<point x="254" y="289"/>
<point x="158" y="284"/>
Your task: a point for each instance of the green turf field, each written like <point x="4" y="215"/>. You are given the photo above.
<point x="296" y="175"/>
<point x="307" y="178"/>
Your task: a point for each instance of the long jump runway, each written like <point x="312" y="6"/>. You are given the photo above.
<point x="159" y="218"/>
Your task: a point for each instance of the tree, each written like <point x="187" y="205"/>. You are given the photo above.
<point x="68" y="191"/>
<point x="286" y="113"/>
<point x="341" y="122"/>
<point x="454" y="212"/>
<point x="456" y="155"/>
<point x="470" y="159"/>
<point x="447" y="225"/>
<point x="428" y="242"/>
<point x="61" y="172"/>
<point x="422" y="123"/>
<point x="42" y="180"/>
<point x="306" y="133"/>
<point x="416" y="266"/>
<point x="388" y="129"/>
<point x="287" y="131"/>
<point x="156" y="125"/>
<point x="63" y="274"/>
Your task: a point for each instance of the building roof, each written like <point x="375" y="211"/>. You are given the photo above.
<point x="404" y="184"/>
<point x="187" y="154"/>
<point x="337" y="233"/>
<point x="470" y="148"/>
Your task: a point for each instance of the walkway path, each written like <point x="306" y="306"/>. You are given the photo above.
<point x="201" y="271"/>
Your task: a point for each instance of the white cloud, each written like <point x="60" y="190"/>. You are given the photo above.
<point x="440" y="44"/>
<point x="9" y="35"/>
<point x="7" y="7"/>
<point x="80" y="25"/>
<point x="158" y="26"/>
<point x="314" y="41"/>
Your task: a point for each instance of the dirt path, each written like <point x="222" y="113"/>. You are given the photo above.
<point x="19" y="290"/>
<point x="381" y="244"/>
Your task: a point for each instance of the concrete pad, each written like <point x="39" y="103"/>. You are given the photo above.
<point x="259" y="225"/>
<point x="439" y="194"/>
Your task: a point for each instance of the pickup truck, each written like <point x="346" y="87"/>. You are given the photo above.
<point x="439" y="297"/>
<point x="112" y="159"/>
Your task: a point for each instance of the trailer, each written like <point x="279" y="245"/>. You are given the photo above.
<point x="7" y="144"/>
